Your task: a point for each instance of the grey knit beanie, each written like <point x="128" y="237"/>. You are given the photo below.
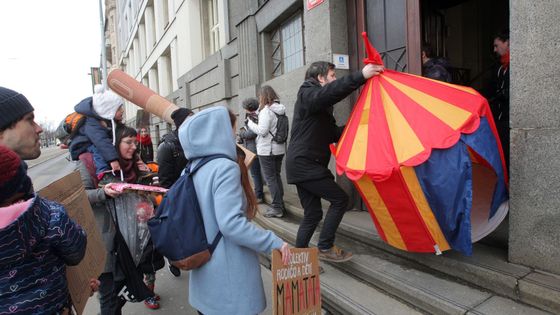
<point x="13" y="106"/>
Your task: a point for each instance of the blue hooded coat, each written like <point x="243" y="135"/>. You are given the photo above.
<point x="230" y="283"/>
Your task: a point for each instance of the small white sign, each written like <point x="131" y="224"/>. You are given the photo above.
<point x="341" y="61"/>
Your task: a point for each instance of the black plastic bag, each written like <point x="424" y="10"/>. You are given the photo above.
<point x="132" y="288"/>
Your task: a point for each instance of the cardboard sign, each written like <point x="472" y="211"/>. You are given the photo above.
<point x="70" y="192"/>
<point x="249" y="156"/>
<point x="296" y="286"/>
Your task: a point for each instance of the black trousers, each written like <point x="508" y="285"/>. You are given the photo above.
<point x="109" y="301"/>
<point x="310" y="194"/>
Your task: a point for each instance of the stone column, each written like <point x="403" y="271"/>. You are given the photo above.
<point x="136" y="56"/>
<point x="150" y="30"/>
<point x="164" y="76"/>
<point x="153" y="80"/>
<point x="142" y="39"/>
<point x="534" y="236"/>
<point x="248" y="49"/>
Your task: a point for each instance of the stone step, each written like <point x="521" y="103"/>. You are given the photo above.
<point x="424" y="288"/>
<point x="487" y="268"/>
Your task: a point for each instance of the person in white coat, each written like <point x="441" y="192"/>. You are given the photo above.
<point x="270" y="153"/>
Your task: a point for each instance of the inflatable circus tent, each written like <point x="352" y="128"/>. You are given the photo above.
<point x="426" y="157"/>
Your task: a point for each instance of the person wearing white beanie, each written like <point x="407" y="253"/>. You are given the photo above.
<point x="102" y="111"/>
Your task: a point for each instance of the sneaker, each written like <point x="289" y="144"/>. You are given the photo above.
<point x="151" y="303"/>
<point x="273" y="213"/>
<point x="335" y="254"/>
<point x="174" y="270"/>
<point x="152" y="288"/>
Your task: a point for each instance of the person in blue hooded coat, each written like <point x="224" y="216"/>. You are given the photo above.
<point x="230" y="282"/>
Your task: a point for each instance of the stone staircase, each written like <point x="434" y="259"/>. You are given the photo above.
<point x="383" y="280"/>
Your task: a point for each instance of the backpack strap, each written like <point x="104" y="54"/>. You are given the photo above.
<point x="190" y="172"/>
<point x="270" y="131"/>
<point x="214" y="244"/>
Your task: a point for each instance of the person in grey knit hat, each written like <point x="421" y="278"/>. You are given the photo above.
<point x="18" y="129"/>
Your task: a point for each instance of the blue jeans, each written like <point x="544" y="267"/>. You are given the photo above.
<point x="100" y="164"/>
<point x="270" y="167"/>
<point x="257" y="178"/>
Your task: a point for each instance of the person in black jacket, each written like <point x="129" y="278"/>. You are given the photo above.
<point x="171" y="160"/>
<point x="499" y="99"/>
<point x="248" y="137"/>
<point x="145" y="146"/>
<point x="313" y="130"/>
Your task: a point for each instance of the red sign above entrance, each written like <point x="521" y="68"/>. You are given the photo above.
<point x="313" y="3"/>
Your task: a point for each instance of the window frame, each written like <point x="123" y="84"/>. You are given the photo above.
<point x="279" y="45"/>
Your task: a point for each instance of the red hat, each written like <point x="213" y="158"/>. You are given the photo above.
<point x="9" y="164"/>
<point x="13" y="176"/>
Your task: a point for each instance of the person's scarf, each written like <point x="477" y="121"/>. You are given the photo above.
<point x="128" y="168"/>
<point x="504" y="60"/>
<point x="144" y="140"/>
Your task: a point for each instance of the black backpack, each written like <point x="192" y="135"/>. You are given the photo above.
<point x="177" y="229"/>
<point x="282" y="129"/>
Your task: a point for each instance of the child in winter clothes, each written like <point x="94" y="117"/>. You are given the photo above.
<point x="37" y="241"/>
<point x="97" y="135"/>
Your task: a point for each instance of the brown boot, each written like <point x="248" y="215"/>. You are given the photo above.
<point x="335" y="254"/>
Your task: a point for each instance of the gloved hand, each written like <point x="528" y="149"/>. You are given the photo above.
<point x="253" y="118"/>
<point x="180" y="115"/>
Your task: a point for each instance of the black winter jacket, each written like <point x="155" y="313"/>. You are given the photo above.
<point x="171" y="160"/>
<point x="314" y="127"/>
<point x="249" y="137"/>
<point x="436" y="68"/>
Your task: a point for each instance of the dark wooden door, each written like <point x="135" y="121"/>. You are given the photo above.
<point x="394" y="28"/>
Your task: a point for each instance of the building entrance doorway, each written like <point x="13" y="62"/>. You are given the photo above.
<point x="461" y="31"/>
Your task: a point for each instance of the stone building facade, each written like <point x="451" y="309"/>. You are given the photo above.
<point x="261" y="42"/>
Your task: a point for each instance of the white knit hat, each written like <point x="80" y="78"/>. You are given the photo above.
<point x="106" y="102"/>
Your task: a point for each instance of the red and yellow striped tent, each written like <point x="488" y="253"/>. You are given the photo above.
<point x="424" y="155"/>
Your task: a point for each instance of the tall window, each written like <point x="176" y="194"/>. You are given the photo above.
<point x="211" y="29"/>
<point x="287" y="46"/>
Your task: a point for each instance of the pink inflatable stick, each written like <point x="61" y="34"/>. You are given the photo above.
<point x="139" y="94"/>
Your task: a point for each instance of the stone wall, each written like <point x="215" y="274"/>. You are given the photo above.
<point x="534" y="238"/>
